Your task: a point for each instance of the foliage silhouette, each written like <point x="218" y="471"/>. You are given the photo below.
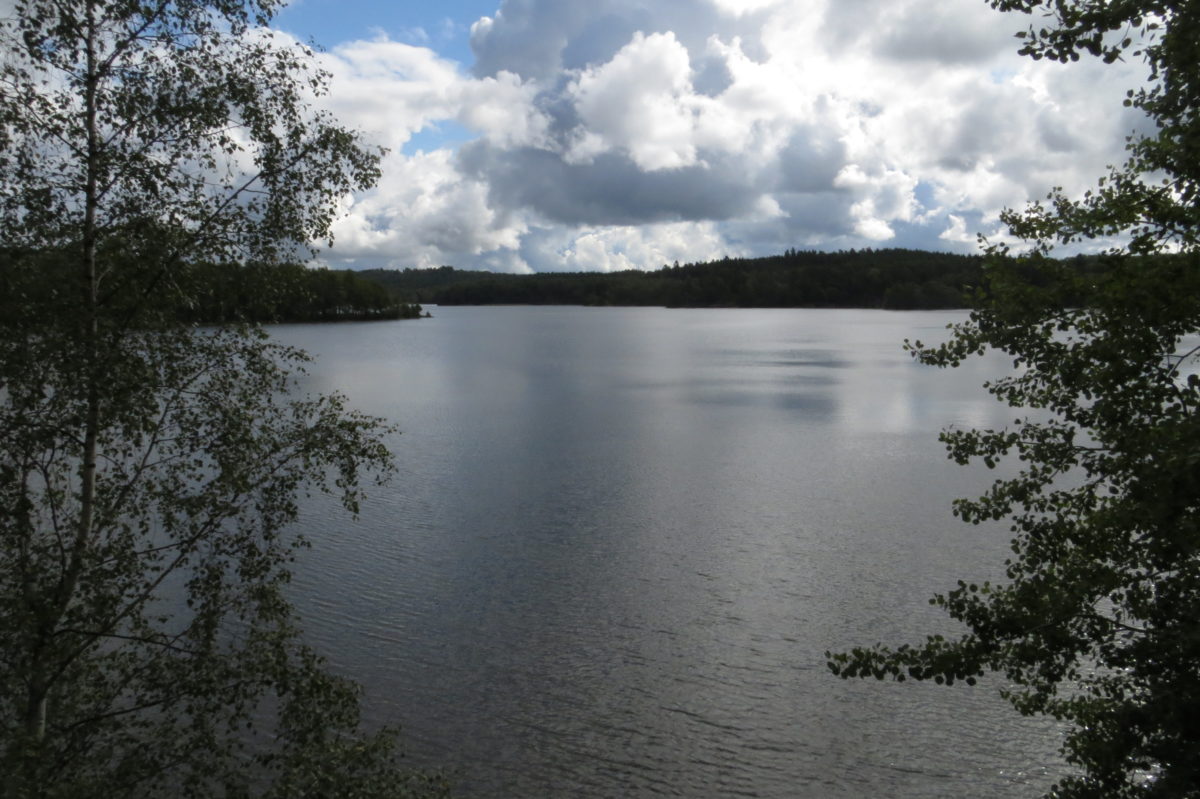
<point x="893" y="279"/>
<point x="1098" y="621"/>
<point x="149" y="470"/>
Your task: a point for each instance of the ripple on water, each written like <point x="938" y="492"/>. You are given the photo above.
<point x="618" y="543"/>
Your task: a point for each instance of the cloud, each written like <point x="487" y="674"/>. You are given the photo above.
<point x="391" y="90"/>
<point x="608" y="190"/>
<point x="615" y="248"/>
<point x="608" y="132"/>
<point x="934" y="32"/>
<point x="423" y="213"/>
<point x="879" y="200"/>
<point x="641" y="101"/>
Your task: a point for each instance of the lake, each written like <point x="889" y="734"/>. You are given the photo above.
<point x="620" y="540"/>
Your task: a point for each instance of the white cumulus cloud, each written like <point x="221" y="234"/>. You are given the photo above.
<point x="640" y="102"/>
<point x="629" y="133"/>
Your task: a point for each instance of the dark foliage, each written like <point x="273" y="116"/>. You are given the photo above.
<point x="219" y="293"/>
<point x="893" y="279"/>
<point x="204" y="293"/>
<point x="1097" y="622"/>
<point x="150" y="471"/>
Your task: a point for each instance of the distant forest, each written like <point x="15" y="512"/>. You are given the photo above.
<point x="205" y="293"/>
<point x="221" y="293"/>
<point x="890" y="279"/>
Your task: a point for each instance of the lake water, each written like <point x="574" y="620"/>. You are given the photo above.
<point x="620" y="540"/>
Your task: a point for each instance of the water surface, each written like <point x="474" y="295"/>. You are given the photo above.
<point x="620" y="540"/>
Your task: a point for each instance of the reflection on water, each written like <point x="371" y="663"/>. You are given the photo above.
<point x="621" y="539"/>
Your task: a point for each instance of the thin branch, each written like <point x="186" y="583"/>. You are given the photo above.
<point x="166" y="643"/>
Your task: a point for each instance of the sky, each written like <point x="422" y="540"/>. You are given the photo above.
<point x="552" y="135"/>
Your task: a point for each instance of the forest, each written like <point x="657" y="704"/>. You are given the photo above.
<point x="213" y="293"/>
<point x="286" y="292"/>
<point x="895" y="279"/>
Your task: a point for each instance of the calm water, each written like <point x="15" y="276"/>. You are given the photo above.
<point x="621" y="539"/>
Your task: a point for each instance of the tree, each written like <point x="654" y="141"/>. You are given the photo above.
<point x="1098" y="621"/>
<point x="148" y="470"/>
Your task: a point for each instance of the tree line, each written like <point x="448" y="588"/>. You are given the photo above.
<point x="217" y="293"/>
<point x="211" y="292"/>
<point x="889" y="279"/>
<point x="897" y="279"/>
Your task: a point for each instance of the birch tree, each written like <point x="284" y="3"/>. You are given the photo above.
<point x="149" y="472"/>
